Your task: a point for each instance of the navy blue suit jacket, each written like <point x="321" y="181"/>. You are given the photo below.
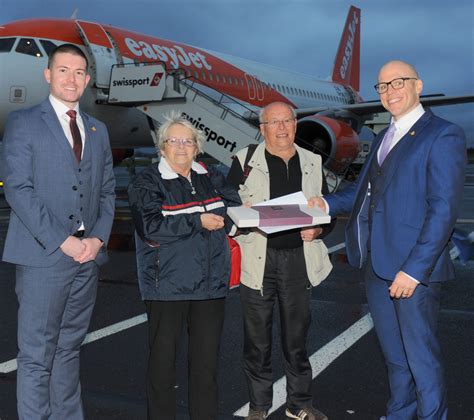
<point x="418" y="206"/>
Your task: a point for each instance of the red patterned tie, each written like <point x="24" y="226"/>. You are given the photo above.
<point x="76" y="134"/>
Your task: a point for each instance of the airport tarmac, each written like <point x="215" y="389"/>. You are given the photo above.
<point x="350" y="381"/>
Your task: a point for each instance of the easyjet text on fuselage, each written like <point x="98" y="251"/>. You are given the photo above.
<point x="176" y="55"/>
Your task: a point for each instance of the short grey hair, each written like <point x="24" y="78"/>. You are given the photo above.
<point x="262" y="111"/>
<point x="174" y="118"/>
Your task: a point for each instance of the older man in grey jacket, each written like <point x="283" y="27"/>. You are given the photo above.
<point x="279" y="267"/>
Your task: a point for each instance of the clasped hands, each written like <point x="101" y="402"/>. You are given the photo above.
<point x="81" y="250"/>
<point x="211" y="221"/>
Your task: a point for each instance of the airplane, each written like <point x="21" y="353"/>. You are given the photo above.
<point x="331" y="114"/>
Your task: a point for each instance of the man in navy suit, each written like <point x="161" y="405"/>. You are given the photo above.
<point x="403" y="209"/>
<point x="60" y="186"/>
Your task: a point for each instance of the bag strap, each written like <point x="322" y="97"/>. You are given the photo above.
<point x="247" y="169"/>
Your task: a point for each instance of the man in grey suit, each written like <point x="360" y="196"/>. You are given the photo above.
<point x="60" y="186"/>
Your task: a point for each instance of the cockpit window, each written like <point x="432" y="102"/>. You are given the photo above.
<point x="28" y="46"/>
<point x="6" y="44"/>
<point x="48" y="46"/>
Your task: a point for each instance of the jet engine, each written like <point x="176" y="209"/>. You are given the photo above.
<point x="334" y="140"/>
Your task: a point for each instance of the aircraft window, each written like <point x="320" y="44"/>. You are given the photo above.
<point x="203" y="75"/>
<point x="217" y="78"/>
<point x="279" y="88"/>
<point x="241" y="82"/>
<point x="188" y="73"/>
<point x="196" y="75"/>
<point x="48" y="46"/>
<point x="6" y="44"/>
<point x="230" y="80"/>
<point x="28" y="46"/>
<point x="210" y="76"/>
<point x="223" y="79"/>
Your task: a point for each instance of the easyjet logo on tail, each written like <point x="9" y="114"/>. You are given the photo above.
<point x="349" y="47"/>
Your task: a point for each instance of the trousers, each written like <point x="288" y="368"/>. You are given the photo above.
<point x="285" y="283"/>
<point x="407" y="332"/>
<point x="204" y="319"/>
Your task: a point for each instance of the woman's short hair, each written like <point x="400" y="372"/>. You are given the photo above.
<point x="176" y="118"/>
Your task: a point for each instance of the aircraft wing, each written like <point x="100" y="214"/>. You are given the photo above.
<point x="371" y="107"/>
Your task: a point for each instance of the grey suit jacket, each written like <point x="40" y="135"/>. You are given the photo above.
<point x="41" y="185"/>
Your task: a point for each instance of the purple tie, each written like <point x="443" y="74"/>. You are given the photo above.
<point x="387" y="143"/>
<point x="76" y="134"/>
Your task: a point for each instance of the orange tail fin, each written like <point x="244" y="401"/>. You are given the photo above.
<point x="347" y="64"/>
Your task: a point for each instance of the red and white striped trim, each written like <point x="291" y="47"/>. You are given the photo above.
<point x="193" y="207"/>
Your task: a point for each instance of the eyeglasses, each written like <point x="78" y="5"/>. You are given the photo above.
<point x="175" y="142"/>
<point x="276" y="123"/>
<point x="395" y="83"/>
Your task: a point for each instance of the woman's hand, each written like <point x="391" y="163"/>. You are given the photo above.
<point x="211" y="221"/>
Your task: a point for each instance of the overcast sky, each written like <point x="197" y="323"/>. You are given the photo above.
<point x="437" y="36"/>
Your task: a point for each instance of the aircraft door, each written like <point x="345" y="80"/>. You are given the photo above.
<point x="101" y="49"/>
<point x="254" y="87"/>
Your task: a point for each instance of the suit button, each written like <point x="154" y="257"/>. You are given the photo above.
<point x="372" y="206"/>
<point x="379" y="173"/>
<point x="78" y="221"/>
<point x="79" y="170"/>
<point x="74" y="187"/>
<point x="80" y="182"/>
<point x="71" y="216"/>
<point x="82" y="195"/>
<point x="80" y="209"/>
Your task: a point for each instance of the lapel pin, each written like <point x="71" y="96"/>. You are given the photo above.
<point x="93" y="128"/>
<point x="412" y="133"/>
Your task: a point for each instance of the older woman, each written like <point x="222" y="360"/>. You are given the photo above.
<point x="179" y="208"/>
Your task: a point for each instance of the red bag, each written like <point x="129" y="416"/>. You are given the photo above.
<point x="235" y="258"/>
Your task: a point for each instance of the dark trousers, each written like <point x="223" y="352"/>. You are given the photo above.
<point x="204" y="319"/>
<point x="407" y="332"/>
<point x="286" y="282"/>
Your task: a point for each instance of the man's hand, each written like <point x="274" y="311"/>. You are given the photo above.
<point x="72" y="247"/>
<point x="91" y="249"/>
<point x="318" y="202"/>
<point x="211" y="221"/>
<point x="403" y="286"/>
<point x="310" y="233"/>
